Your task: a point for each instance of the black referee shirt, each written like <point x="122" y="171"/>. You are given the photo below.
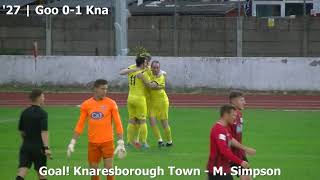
<point x="32" y="121"/>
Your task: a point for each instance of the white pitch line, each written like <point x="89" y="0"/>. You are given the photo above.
<point x="7" y="121"/>
<point x="150" y="152"/>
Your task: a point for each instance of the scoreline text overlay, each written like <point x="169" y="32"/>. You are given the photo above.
<point x="64" y="10"/>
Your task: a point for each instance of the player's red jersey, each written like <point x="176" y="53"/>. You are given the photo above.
<point x="220" y="150"/>
<point x="236" y="132"/>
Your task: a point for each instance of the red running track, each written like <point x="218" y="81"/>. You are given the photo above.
<point x="177" y="100"/>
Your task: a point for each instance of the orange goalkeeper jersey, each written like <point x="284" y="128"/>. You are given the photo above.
<point x="101" y="115"/>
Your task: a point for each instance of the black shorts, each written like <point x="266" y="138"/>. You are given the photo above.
<point x="235" y="165"/>
<point x="219" y="177"/>
<point x="29" y="155"/>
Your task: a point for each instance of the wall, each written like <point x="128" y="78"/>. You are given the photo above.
<point x="190" y="36"/>
<point x="190" y="72"/>
<point x="17" y="34"/>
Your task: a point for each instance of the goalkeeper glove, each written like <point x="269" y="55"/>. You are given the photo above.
<point x="120" y="149"/>
<point x="71" y="147"/>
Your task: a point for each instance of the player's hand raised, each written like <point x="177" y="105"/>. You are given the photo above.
<point x="245" y="164"/>
<point x="120" y="149"/>
<point x="71" y="147"/>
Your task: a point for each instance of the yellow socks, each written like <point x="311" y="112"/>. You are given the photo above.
<point x="131" y="133"/>
<point x="156" y="132"/>
<point x="167" y="134"/>
<point x="143" y="135"/>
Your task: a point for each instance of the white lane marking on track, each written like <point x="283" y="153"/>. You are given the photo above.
<point x="295" y="110"/>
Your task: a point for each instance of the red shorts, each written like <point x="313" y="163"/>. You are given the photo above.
<point x="96" y="151"/>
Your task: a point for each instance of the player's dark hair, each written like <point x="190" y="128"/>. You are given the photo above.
<point x="155" y="62"/>
<point x="235" y="94"/>
<point x="226" y="109"/>
<point x="35" y="93"/>
<point x="145" y="54"/>
<point x="100" y="82"/>
<point x="140" y="60"/>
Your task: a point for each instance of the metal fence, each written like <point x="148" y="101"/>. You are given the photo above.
<point x="170" y="33"/>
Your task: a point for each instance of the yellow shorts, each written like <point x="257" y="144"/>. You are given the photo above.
<point x="160" y="110"/>
<point x="137" y="107"/>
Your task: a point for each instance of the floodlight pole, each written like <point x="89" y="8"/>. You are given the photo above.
<point x="304" y="8"/>
<point x="121" y="27"/>
<point x="48" y="36"/>
<point x="305" y="30"/>
<point x="175" y="33"/>
<point x="239" y="8"/>
<point x="239" y="31"/>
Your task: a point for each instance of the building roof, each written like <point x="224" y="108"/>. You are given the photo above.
<point x="16" y="2"/>
<point x="191" y="7"/>
<point x="82" y="3"/>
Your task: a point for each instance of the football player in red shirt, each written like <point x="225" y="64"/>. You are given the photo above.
<point x="221" y="141"/>
<point x="237" y="99"/>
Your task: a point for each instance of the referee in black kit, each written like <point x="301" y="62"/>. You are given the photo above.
<point x="33" y="127"/>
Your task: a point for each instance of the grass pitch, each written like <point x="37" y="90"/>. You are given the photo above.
<point x="288" y="140"/>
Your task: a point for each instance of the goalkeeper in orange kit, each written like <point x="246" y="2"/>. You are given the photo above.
<point x="101" y="113"/>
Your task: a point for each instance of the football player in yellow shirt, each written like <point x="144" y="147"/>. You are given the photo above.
<point x="159" y="105"/>
<point x="139" y="82"/>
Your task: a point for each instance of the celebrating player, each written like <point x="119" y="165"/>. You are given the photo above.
<point x="220" y="146"/>
<point x="133" y="68"/>
<point x="139" y="82"/>
<point x="237" y="99"/>
<point x="101" y="112"/>
<point x="141" y="131"/>
<point x="159" y="106"/>
<point x="33" y="127"/>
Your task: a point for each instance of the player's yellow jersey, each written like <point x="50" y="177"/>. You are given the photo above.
<point x="149" y="73"/>
<point x="158" y="94"/>
<point x="132" y="66"/>
<point x="136" y="85"/>
<point x="147" y="70"/>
